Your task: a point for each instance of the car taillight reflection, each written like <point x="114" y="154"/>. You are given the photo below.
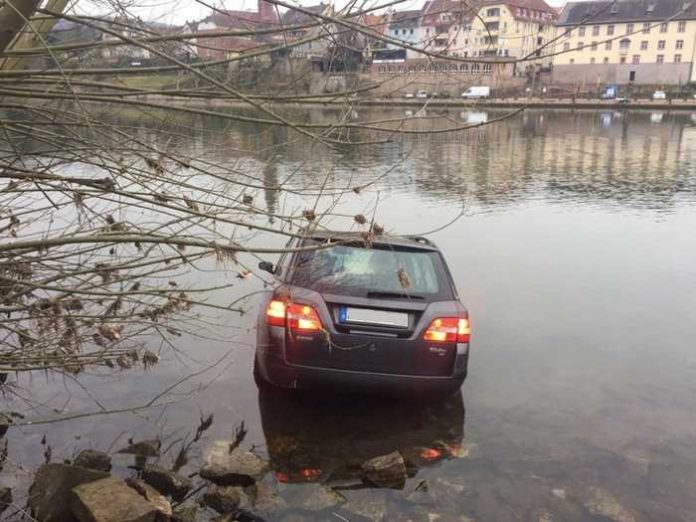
<point x="449" y="330"/>
<point x="303" y="475"/>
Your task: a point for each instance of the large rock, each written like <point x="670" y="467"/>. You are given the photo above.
<point x="48" y="494"/>
<point x="599" y="502"/>
<point x="5" y="498"/>
<point x="238" y="468"/>
<point x="388" y="471"/>
<point x="110" y="500"/>
<point x="93" y="459"/>
<point x="167" y="482"/>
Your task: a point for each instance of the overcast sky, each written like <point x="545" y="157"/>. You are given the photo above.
<point x="179" y="11"/>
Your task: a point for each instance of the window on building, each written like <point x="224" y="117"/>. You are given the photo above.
<point x="566" y="46"/>
<point x="606" y="59"/>
<point x="660" y="58"/>
<point x="464" y="67"/>
<point x="663" y="27"/>
<point x="624" y="44"/>
<point x="677" y="58"/>
<point x="646" y="28"/>
<point x="661" y="44"/>
<point x="644" y="45"/>
<point x="607" y="46"/>
<point x="411" y="31"/>
<point x="581" y="45"/>
<point x="592" y="60"/>
<point x="581" y="31"/>
<point x="679" y="44"/>
<point x="595" y="30"/>
<point x="610" y="30"/>
<point x="622" y="59"/>
<point x="494" y="11"/>
<point x="381" y="69"/>
<point x="571" y="61"/>
<point x="629" y="28"/>
<point x="594" y="46"/>
<point x="682" y="26"/>
<point x="636" y="58"/>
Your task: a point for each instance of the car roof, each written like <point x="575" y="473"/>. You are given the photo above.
<point x="407" y="241"/>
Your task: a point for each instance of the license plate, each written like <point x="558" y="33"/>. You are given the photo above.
<point x="370" y="316"/>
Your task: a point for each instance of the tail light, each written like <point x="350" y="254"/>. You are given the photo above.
<point x="293" y="315"/>
<point x="448" y="330"/>
<point x="275" y="313"/>
<point x="303" y="317"/>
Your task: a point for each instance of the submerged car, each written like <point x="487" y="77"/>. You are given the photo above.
<point x="377" y="315"/>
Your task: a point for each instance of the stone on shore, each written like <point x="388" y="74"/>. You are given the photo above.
<point x="110" y="500"/>
<point x="238" y="468"/>
<point x="167" y="482"/>
<point x="153" y="496"/>
<point x="93" y="459"/>
<point x="388" y="471"/>
<point x="48" y="494"/>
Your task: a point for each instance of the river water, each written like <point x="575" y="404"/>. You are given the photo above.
<point x="570" y="236"/>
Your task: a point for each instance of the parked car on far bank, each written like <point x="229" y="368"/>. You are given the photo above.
<point x="659" y="95"/>
<point x="408" y="95"/>
<point x="480" y="91"/>
<point x="422" y="94"/>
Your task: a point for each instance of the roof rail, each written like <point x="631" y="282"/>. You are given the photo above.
<point x="421" y="239"/>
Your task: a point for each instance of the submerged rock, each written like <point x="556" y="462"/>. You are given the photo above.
<point x="145" y="448"/>
<point x="224" y="499"/>
<point x="186" y="513"/>
<point x="600" y="502"/>
<point x="264" y="499"/>
<point x="93" y="459"/>
<point x="5" y="498"/>
<point x="48" y="494"/>
<point x="238" y="468"/>
<point x="314" y="497"/>
<point x="167" y="482"/>
<point x="388" y="471"/>
<point x="110" y="500"/>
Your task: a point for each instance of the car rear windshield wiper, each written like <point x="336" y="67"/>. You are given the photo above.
<point x="396" y="295"/>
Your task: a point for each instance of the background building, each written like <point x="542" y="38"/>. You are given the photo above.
<point x="631" y="41"/>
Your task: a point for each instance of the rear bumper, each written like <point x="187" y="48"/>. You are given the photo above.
<point x="275" y="370"/>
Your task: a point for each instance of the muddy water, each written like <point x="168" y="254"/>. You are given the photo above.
<point x="570" y="236"/>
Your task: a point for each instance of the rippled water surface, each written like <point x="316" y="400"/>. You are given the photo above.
<point x="571" y="239"/>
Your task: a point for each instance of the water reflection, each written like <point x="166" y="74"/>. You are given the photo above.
<point x="327" y="438"/>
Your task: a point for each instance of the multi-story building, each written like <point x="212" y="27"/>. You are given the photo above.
<point x="405" y="26"/>
<point x="631" y="41"/>
<point x="521" y="29"/>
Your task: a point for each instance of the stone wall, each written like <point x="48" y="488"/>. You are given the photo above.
<point x="645" y="73"/>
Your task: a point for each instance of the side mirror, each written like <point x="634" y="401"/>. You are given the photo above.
<point x="267" y="266"/>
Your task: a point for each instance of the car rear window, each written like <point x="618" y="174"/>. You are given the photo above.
<point x="381" y="271"/>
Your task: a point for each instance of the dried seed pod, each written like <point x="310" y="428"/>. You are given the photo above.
<point x="360" y="219"/>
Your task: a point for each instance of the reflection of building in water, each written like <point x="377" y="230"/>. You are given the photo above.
<point x="270" y="190"/>
<point x="617" y="155"/>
